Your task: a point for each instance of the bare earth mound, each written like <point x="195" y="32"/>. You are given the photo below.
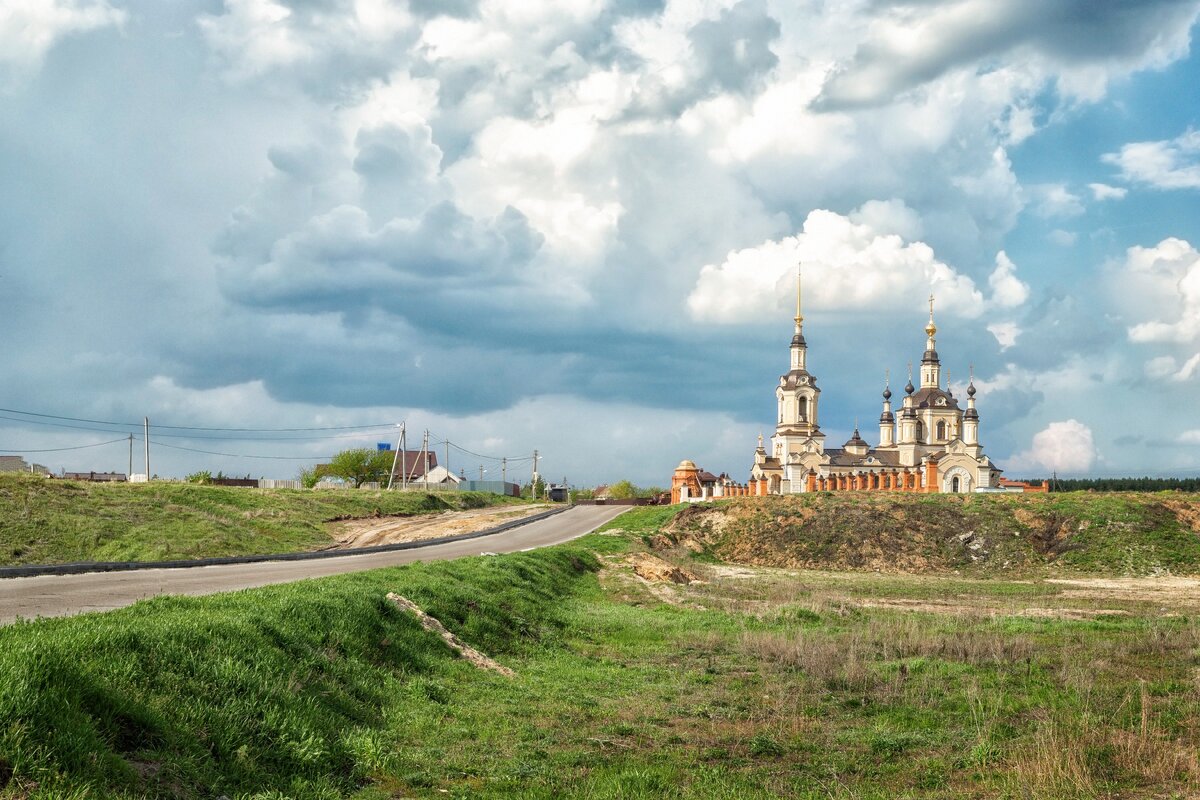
<point x="1126" y="534"/>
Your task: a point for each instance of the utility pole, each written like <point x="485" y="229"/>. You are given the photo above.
<point x="504" y="470"/>
<point x="399" y="440"/>
<point x="481" y="473"/>
<point x="146" y="423"/>
<point x="446" y="446"/>
<point x="425" y="458"/>
<point x="534" y="478"/>
<point x="403" y="457"/>
<point x="129" y="474"/>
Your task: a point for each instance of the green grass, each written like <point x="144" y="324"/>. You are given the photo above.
<point x="52" y="521"/>
<point x="770" y="684"/>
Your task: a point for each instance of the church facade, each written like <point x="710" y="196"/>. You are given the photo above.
<point x="928" y="444"/>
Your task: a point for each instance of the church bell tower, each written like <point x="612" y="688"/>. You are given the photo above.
<point x="797" y="394"/>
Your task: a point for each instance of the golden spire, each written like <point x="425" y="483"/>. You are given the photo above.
<point x="930" y="329"/>
<point x="799" y="317"/>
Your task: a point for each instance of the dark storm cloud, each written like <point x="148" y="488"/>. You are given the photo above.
<point x="418" y="267"/>
<point x="1062" y="326"/>
<point x="956" y="34"/>
<point x="462" y="9"/>
<point x="734" y="50"/>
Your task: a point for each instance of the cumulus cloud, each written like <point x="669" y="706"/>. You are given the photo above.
<point x="1066" y="447"/>
<point x="1006" y="333"/>
<point x="481" y="203"/>
<point x="1190" y="437"/>
<point x="1167" y="164"/>
<point x="29" y="28"/>
<point x="1055" y="200"/>
<point x="1171" y="271"/>
<point x="1169" y="369"/>
<point x="847" y="266"/>
<point x="330" y="47"/>
<point x="254" y="36"/>
<point x="1008" y="291"/>
<point x="1062" y="238"/>
<point x="1102" y="191"/>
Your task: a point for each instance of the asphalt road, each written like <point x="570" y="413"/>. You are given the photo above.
<point x="63" y="595"/>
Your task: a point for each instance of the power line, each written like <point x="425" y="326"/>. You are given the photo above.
<point x="201" y="428"/>
<point x="239" y="455"/>
<point x="185" y="435"/>
<point x="511" y="459"/>
<point x="61" y="421"/>
<point x="78" y="447"/>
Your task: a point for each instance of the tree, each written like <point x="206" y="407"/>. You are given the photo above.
<point x="622" y="490"/>
<point x="203" y="476"/>
<point x="360" y="465"/>
<point x="535" y="491"/>
<point x="309" y="476"/>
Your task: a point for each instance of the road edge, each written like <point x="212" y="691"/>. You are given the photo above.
<point x="81" y="567"/>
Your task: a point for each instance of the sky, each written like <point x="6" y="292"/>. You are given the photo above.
<point x="574" y="227"/>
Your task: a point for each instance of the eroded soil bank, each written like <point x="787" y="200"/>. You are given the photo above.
<point x="394" y="530"/>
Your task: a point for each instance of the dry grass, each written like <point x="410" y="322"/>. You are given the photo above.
<point x="1083" y="756"/>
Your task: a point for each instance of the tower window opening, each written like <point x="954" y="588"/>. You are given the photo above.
<point x="801" y="409"/>
<point x="941" y="433"/>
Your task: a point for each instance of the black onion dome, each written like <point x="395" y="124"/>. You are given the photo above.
<point x="909" y="389"/>
<point x="971" y="389"/>
<point x="887" y="394"/>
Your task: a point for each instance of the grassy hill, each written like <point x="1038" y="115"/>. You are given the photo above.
<point x="53" y="521"/>
<point x="1118" y="533"/>
<point x="754" y="683"/>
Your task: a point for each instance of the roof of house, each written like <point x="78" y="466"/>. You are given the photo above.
<point x="12" y="464"/>
<point x="410" y="462"/>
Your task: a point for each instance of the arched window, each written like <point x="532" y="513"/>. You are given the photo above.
<point x="955" y="486"/>
<point x="920" y="430"/>
<point x="941" y="433"/>
<point x="801" y="409"/>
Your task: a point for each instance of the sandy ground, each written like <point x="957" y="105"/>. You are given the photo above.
<point x="1166" y="590"/>
<point x="759" y="590"/>
<point x="393" y="530"/>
